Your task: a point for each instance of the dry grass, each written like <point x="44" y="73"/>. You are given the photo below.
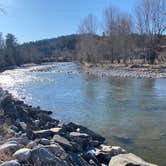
<point x="5" y="132"/>
<point x="5" y="157"/>
<point x="108" y="64"/>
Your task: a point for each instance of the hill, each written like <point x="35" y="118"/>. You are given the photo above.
<point x="56" y="49"/>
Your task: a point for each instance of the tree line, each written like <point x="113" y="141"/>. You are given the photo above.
<point x="125" y="37"/>
<point x="9" y="54"/>
<point x="56" y="49"/>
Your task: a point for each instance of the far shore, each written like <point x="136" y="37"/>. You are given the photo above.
<point x="123" y="70"/>
<point x="103" y="69"/>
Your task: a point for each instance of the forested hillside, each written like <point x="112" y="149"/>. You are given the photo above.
<point x="57" y="49"/>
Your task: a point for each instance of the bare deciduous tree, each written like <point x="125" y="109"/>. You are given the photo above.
<point x="151" y="24"/>
<point x="87" y="43"/>
<point x="120" y="40"/>
<point x="88" y="25"/>
<point x="118" y="27"/>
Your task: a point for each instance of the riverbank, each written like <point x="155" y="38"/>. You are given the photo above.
<point x="115" y="70"/>
<point x="138" y="71"/>
<point x="30" y="136"/>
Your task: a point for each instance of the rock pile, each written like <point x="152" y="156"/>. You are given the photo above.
<point x="40" y="140"/>
<point x="127" y="72"/>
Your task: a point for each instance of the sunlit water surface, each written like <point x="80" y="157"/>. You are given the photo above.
<point x="129" y="112"/>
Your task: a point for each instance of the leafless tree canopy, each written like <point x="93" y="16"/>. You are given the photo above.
<point x="123" y="36"/>
<point x="151" y="24"/>
<point x="88" y="25"/>
<point x="87" y="42"/>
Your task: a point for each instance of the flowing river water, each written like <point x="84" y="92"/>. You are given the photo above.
<point x="129" y="112"/>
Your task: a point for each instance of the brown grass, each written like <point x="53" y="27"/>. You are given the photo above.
<point x="5" y="133"/>
<point x="5" y="157"/>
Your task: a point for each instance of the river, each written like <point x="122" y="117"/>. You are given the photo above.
<point x="129" y="112"/>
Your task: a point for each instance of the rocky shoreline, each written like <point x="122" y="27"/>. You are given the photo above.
<point x="29" y="136"/>
<point x="135" y="71"/>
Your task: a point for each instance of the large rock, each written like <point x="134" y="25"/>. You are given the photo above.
<point x="7" y="105"/>
<point x="41" y="156"/>
<point x="91" y="158"/>
<point x="115" y="150"/>
<point x="46" y="121"/>
<point x="5" y="99"/>
<point x="128" y="160"/>
<point x="22" y="154"/>
<point x="104" y="152"/>
<point x="78" y="134"/>
<point x="31" y="145"/>
<point x="23" y="139"/>
<point x="42" y="134"/>
<point x="72" y="127"/>
<point x="44" y="141"/>
<point x="9" y="148"/>
<point x="77" y="160"/>
<point x="57" y="150"/>
<point x="80" y="139"/>
<point x="56" y="130"/>
<point x="11" y="163"/>
<point x="46" y="133"/>
<point x="63" y="142"/>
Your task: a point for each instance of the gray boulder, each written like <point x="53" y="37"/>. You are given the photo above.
<point x="22" y="154"/>
<point x="57" y="150"/>
<point x="128" y="159"/>
<point x="23" y="139"/>
<point x="77" y="160"/>
<point x="104" y="152"/>
<point x="79" y="140"/>
<point x="11" y="163"/>
<point x="32" y="144"/>
<point x="78" y="134"/>
<point x="9" y="148"/>
<point x="75" y="127"/>
<point x="46" y="133"/>
<point x="115" y="150"/>
<point x="63" y="142"/>
<point x="41" y="156"/>
<point x="44" y="141"/>
<point x="42" y="134"/>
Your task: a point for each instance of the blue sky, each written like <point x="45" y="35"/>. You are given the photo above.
<point x="32" y="20"/>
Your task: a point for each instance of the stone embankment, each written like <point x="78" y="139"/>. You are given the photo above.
<point x="133" y="71"/>
<point x="29" y="136"/>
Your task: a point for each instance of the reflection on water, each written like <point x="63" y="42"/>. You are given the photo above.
<point x="129" y="112"/>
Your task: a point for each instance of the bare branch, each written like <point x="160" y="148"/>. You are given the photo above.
<point x="89" y="25"/>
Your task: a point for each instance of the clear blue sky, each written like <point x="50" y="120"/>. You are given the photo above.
<point x="38" y="19"/>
